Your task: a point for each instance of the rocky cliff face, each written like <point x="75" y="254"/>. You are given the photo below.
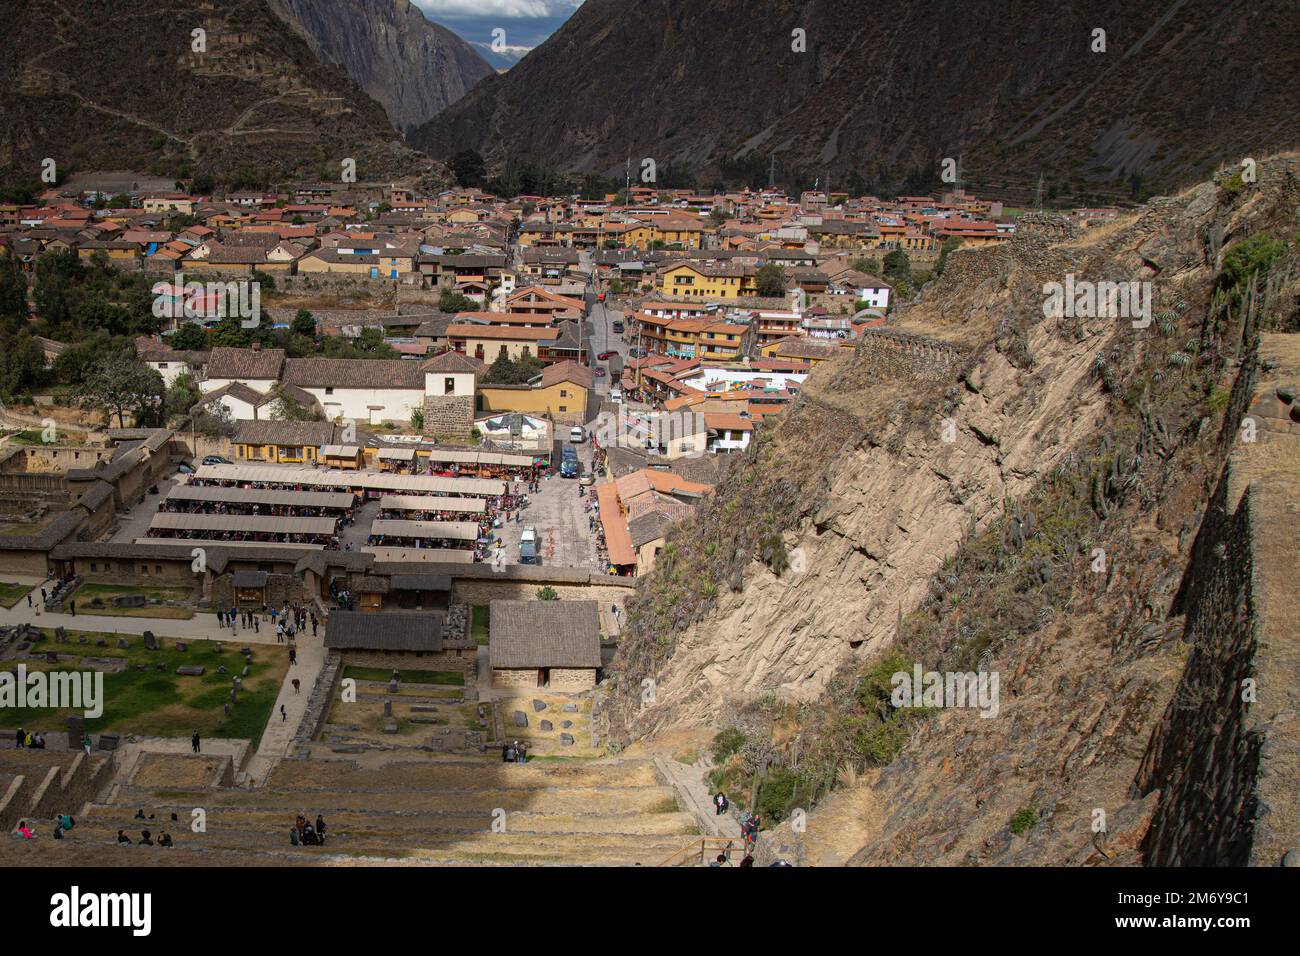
<point x="1014" y="89"/>
<point x="1024" y="502"/>
<point x="103" y="85"/>
<point x="415" y="68"/>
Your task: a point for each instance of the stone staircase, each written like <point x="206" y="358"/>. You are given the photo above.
<point x="431" y="811"/>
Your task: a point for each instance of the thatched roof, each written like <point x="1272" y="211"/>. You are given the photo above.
<point x="544" y="634"/>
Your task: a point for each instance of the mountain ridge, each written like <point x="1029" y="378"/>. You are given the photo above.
<point x="413" y="66"/>
<point x="1010" y="92"/>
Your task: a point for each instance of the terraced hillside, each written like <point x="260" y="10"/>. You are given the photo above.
<point x="598" y="812"/>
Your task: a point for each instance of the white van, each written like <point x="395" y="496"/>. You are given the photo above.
<point x="577" y="435"/>
<point x="616" y="396"/>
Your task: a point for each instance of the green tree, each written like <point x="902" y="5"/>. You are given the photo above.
<point x="771" y="281"/>
<point x="417" y="419"/>
<point x="468" y="168"/>
<point x="285" y="408"/>
<point x="898" y="271"/>
<point x="450" y="300"/>
<point x="190" y="337"/>
<point x="22" y="364"/>
<point x="215" y="421"/>
<point x="547" y="593"/>
<point x="867" y="266"/>
<point x="304" y="323"/>
<point x="13" y="290"/>
<point x="121" y="383"/>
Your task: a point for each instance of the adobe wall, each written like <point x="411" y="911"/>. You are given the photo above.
<point x="487" y="590"/>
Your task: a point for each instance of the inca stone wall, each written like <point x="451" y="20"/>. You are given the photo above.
<point x="905" y="354"/>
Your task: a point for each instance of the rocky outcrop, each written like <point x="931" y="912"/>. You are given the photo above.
<point x="415" y="68"/>
<point x="1029" y="508"/>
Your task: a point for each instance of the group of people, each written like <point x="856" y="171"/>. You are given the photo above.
<point x="146" y="839"/>
<point x="514" y="753"/>
<point x="749" y="822"/>
<point x="29" y="739"/>
<point x="288" y="620"/>
<point x="303" y="833"/>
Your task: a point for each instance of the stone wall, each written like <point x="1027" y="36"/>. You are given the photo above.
<point x="448" y="415"/>
<point x="514" y="677"/>
<point x="904" y="354"/>
<point x="281" y="589"/>
<point x="461" y="660"/>
<point x="487" y="590"/>
<point x="1204" y="755"/>
<point x="572" y="678"/>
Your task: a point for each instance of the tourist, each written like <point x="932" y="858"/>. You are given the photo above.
<point x="144" y="838"/>
<point x="720" y="803"/>
<point x="300" y="823"/>
<point x="320" y="828"/>
<point x="86" y="744"/>
<point x="165" y="839"/>
<point x="194" y="741"/>
<point x="309" y="836"/>
<point x="123" y="838"/>
<point x="293" y="836"/>
<point x="720" y="860"/>
<point x="72" y="606"/>
<point x="58" y="829"/>
<point x="295" y="685"/>
<point x="21" y="737"/>
<point x="293" y="656"/>
<point x="747" y="861"/>
<point x="66" y="821"/>
<point x="279" y="633"/>
<point x="24" y="831"/>
<point x="42" y="595"/>
<point x="29" y="599"/>
<point x="139" y="814"/>
<point x="221" y="618"/>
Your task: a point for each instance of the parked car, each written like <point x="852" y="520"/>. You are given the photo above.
<point x="528" y="546"/>
<point x="616" y="395"/>
<point x="604" y="355"/>
<point x="588" y="478"/>
<point x="216" y="460"/>
<point x="185" y="468"/>
<point x="600" y="297"/>
<point x="577" y="435"/>
<point x="618" y="325"/>
<point x="636" y="353"/>
<point x="599" y="371"/>
<point x="570" y="468"/>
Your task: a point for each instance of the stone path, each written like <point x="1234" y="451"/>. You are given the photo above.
<point x="694" y="797"/>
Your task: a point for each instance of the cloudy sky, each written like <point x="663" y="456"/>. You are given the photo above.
<point x="526" y="23"/>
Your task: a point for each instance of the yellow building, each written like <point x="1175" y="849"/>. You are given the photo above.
<point x="561" y="391"/>
<point x="712" y="283"/>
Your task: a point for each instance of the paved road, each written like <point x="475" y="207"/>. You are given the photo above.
<point x="559" y="516"/>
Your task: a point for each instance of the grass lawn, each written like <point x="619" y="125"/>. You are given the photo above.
<point x="106" y="592"/>
<point x="478" y="623"/>
<point x="11" y="594"/>
<point x="406" y="677"/>
<point x="156" y="703"/>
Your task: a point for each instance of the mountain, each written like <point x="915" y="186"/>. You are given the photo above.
<point x="413" y="67"/>
<point x="1012" y="89"/>
<point x="1088" y="511"/>
<point x="105" y="84"/>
